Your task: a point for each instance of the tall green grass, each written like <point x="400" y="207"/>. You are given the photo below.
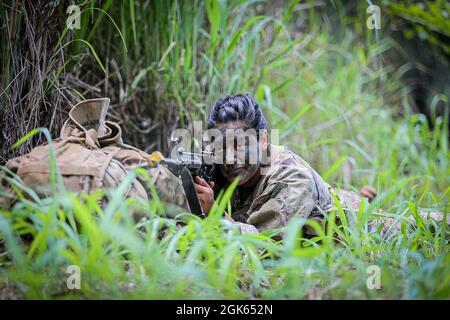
<point x="328" y="94"/>
<point x="161" y="257"/>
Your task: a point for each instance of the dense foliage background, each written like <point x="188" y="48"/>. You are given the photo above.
<point x="362" y="106"/>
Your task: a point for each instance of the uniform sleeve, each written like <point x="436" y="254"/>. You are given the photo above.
<point x="289" y="193"/>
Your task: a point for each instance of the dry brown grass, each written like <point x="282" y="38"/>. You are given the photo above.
<point x="29" y="33"/>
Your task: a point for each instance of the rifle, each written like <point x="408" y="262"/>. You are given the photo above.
<point x="186" y="167"/>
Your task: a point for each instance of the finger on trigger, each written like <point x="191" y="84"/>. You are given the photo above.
<point x="200" y="188"/>
<point x="201" y="181"/>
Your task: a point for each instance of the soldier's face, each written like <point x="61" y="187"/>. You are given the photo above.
<point x="240" y="153"/>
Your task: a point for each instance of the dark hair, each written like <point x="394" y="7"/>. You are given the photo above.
<point x="238" y="107"/>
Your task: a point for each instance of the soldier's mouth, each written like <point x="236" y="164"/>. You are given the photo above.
<point x="234" y="171"/>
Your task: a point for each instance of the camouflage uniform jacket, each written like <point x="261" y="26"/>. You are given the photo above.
<point x="287" y="187"/>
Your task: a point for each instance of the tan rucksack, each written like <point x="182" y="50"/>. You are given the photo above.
<point x="90" y="154"/>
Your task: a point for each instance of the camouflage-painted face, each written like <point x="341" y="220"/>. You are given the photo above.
<point x="241" y="152"/>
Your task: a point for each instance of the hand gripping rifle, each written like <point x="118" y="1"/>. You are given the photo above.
<point x="186" y="167"/>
